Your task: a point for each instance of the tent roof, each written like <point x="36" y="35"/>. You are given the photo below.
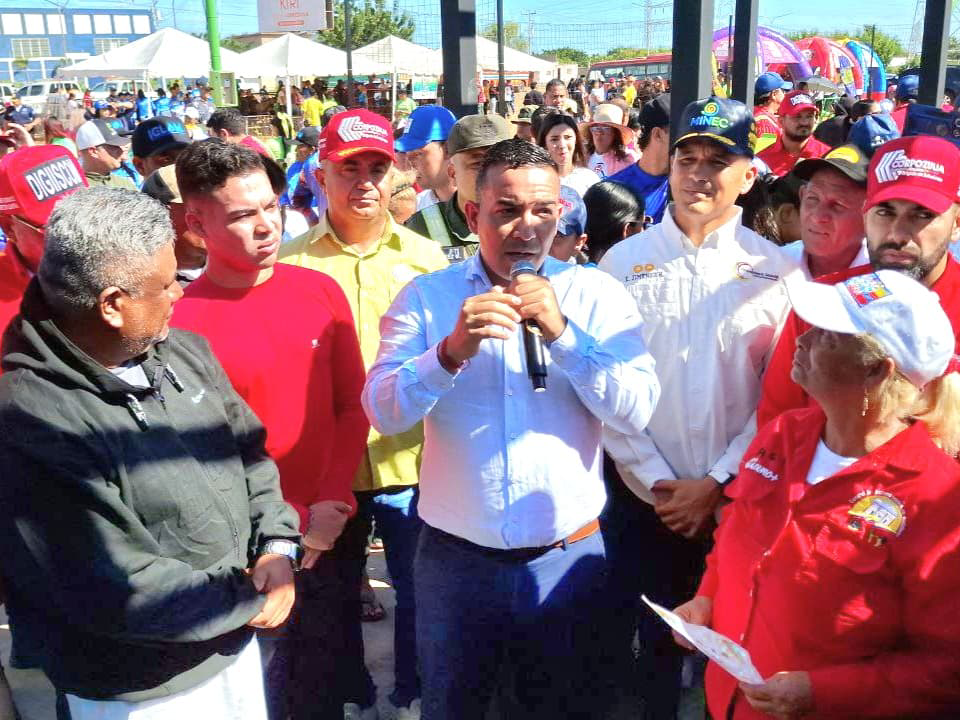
<point x="292" y="54"/>
<point x="513" y="60"/>
<point x="406" y="56"/>
<point x="166" y="53"/>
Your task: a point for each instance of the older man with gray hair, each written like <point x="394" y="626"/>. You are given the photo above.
<point x="143" y="529"/>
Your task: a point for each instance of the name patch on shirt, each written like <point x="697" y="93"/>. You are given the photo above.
<point x="876" y="510"/>
<point x="645" y="271"/>
<point x="745" y="271"/>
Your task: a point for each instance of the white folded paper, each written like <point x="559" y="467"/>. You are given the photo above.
<point x="722" y="650"/>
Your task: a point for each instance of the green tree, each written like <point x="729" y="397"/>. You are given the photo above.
<point x="567" y="55"/>
<point x="512" y="35"/>
<point x="232" y="43"/>
<point x="622" y="53"/>
<point x="368" y="23"/>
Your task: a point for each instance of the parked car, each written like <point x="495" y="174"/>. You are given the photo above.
<point x="7" y="91"/>
<point x="35" y="94"/>
<point x="101" y="91"/>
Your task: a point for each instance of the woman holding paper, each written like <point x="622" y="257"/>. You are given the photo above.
<point x="837" y="566"/>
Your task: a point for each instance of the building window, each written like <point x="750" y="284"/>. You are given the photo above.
<point x="31" y="47"/>
<point x="55" y="25"/>
<point x="121" y="24"/>
<point x="101" y="25"/>
<point x="11" y="24"/>
<point x="141" y="24"/>
<point x="102" y="45"/>
<point x="81" y="25"/>
<point x="34" y="24"/>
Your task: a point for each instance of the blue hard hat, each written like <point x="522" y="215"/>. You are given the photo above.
<point x="428" y="123"/>
<point x="767" y="82"/>
<point x="908" y="86"/>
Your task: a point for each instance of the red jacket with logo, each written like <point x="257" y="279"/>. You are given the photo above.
<point x="780" y="161"/>
<point x="780" y="393"/>
<point x="13" y="282"/>
<point x="854" y="580"/>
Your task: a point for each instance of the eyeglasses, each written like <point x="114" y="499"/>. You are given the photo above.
<point x="37" y="229"/>
<point x="600" y="130"/>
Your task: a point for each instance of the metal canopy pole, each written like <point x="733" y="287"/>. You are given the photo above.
<point x="458" y="23"/>
<point x="348" y="41"/>
<point x="501" y="77"/>
<point x="745" y="50"/>
<point x="933" y="63"/>
<point x="692" y="42"/>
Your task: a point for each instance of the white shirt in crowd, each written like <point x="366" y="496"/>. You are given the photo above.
<point x="795" y="250"/>
<point x="580" y="179"/>
<point x="503" y="466"/>
<point x="711" y="319"/>
<point x="826" y="463"/>
<point x="426" y="198"/>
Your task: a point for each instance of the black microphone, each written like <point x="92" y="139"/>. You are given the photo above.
<point x="532" y="337"/>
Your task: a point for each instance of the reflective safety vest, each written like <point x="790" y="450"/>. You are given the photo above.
<point x="439" y="232"/>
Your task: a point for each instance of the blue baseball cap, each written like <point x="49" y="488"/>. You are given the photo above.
<point x="767" y="82"/>
<point x="428" y="123"/>
<point x="100" y="104"/>
<point x="908" y="86"/>
<point x="573" y="213"/>
<point x="871" y="131"/>
<point x="727" y="122"/>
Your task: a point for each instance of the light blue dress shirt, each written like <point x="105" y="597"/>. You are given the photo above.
<point x="505" y="467"/>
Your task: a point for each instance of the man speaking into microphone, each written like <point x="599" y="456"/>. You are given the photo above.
<point x="510" y="566"/>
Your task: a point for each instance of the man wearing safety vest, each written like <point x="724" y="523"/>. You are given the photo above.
<point x="446" y="222"/>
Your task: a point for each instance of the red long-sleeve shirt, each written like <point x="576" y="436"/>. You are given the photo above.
<point x="854" y="580"/>
<point x="13" y="282"/>
<point x="781" y="161"/>
<point x="290" y="349"/>
<point x="779" y="393"/>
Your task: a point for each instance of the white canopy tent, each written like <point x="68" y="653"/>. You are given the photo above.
<point x="292" y="55"/>
<point x="167" y="53"/>
<point x="513" y="60"/>
<point x="403" y="56"/>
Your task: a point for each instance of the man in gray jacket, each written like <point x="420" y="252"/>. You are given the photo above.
<point x="143" y="529"/>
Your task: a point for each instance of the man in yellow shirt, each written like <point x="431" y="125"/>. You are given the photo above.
<point x="629" y="91"/>
<point x="312" y="109"/>
<point x="358" y="243"/>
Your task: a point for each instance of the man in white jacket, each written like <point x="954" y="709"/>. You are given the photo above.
<point x="709" y="292"/>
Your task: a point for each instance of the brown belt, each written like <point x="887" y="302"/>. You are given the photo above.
<point x="523" y="554"/>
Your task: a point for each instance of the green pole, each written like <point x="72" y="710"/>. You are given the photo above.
<point x="213" y="37"/>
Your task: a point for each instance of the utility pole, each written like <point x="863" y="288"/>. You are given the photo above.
<point x="348" y="41"/>
<point x="213" y="38"/>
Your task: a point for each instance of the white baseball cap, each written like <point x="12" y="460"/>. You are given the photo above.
<point x="94" y="133"/>
<point x="902" y="315"/>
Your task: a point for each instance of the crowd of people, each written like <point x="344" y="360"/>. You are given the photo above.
<point x="559" y="361"/>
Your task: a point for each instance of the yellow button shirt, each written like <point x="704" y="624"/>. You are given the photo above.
<point x="312" y="109"/>
<point x="629" y="95"/>
<point x="371" y="280"/>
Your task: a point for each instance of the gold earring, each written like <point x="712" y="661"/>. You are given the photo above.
<point x="866" y="404"/>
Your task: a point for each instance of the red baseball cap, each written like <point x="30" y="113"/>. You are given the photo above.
<point x="355" y="131"/>
<point x="921" y="168"/>
<point x="796" y="102"/>
<point x="33" y="179"/>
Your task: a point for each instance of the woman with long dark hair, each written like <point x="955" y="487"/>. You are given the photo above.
<point x="613" y="213"/>
<point x="559" y="137"/>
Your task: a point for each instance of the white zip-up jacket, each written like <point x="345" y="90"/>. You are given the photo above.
<point x="711" y="319"/>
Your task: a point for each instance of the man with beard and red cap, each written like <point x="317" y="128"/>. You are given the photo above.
<point x="798" y="118"/>
<point x="911" y="214"/>
<point x="32" y="180"/>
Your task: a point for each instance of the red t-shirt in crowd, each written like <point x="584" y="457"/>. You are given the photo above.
<point x="766" y="122"/>
<point x="781" y="161"/>
<point x="13" y="282"/>
<point x="780" y="393"/>
<point x="290" y="348"/>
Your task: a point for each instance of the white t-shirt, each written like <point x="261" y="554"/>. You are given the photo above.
<point x="580" y="179"/>
<point x="826" y="463"/>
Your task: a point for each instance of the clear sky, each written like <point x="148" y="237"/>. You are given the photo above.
<point x="595" y="24"/>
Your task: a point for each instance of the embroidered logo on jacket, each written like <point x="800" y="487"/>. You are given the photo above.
<point x="761" y="470"/>
<point x="877" y="510"/>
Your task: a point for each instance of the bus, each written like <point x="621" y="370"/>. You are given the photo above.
<point x="640" y="67"/>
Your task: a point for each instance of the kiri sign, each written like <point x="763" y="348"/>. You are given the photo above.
<point x="291" y="15"/>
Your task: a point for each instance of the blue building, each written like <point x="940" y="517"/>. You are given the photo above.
<point x="35" y="41"/>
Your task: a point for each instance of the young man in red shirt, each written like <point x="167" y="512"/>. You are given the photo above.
<point x="798" y="118"/>
<point x="286" y="338"/>
<point x="32" y="180"/>
<point x="912" y="212"/>
<point x="769" y="91"/>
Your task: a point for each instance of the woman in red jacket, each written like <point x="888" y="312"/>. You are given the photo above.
<point x="837" y="565"/>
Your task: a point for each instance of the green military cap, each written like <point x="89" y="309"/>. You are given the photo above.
<point x="477" y="131"/>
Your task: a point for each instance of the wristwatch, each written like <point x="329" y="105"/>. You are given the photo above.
<point x="721" y="476"/>
<point x="289" y="549"/>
